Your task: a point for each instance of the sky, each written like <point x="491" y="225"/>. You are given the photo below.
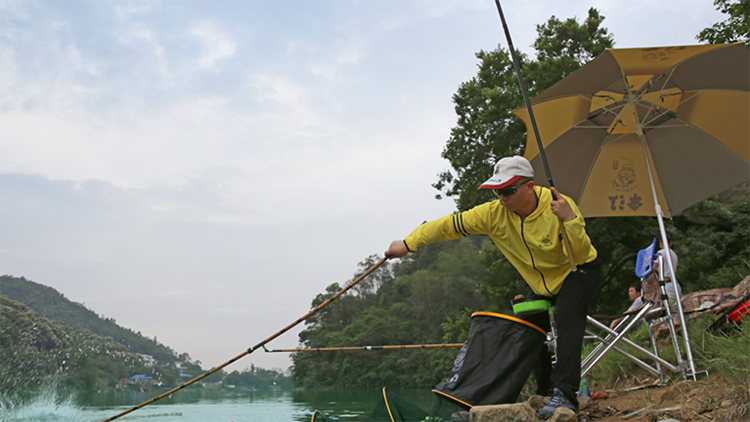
<point x="201" y="170"/>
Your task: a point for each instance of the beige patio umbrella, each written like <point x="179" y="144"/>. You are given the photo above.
<point x="683" y="111"/>
<point x="638" y="129"/>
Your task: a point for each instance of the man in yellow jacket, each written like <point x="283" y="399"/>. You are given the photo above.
<point x="525" y="224"/>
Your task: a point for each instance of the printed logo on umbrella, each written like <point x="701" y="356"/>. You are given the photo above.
<point x="659" y="54"/>
<point x="625" y="179"/>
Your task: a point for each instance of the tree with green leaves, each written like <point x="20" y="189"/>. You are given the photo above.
<point x="486" y="129"/>
<point x="411" y="300"/>
<point x="564" y="46"/>
<point x="735" y="29"/>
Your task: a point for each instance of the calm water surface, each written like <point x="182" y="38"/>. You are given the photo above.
<point x="211" y="405"/>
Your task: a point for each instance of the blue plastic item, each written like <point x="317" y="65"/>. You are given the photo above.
<point x="583" y="390"/>
<point x="644" y="265"/>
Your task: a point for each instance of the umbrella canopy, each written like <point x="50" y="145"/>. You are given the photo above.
<point x="677" y="117"/>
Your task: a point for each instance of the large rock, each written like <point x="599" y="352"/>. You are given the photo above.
<point x="518" y="412"/>
<point x="563" y="415"/>
<point x="537" y="402"/>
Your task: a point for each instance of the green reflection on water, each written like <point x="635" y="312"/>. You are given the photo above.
<point x="243" y="405"/>
<point x="356" y="405"/>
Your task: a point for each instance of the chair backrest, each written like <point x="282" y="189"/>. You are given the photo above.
<point x="644" y="265"/>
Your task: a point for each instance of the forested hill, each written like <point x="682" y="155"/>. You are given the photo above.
<point x="36" y="353"/>
<point x="53" y="305"/>
<point x="420" y="299"/>
<point x="48" y="341"/>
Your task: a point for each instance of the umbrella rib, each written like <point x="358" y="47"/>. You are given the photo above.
<point x="652" y="108"/>
<point x="603" y="108"/>
<point x="667" y="110"/>
<point x="668" y="75"/>
<point x="684" y="100"/>
<point x="607" y="139"/>
<point x="576" y="126"/>
<point x="645" y="126"/>
<point x="666" y="126"/>
<point x="609" y="97"/>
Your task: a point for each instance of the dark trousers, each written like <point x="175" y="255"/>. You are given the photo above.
<point x="571" y="308"/>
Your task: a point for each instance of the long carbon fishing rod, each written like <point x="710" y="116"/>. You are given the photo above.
<point x="526" y="101"/>
<point x="257" y="346"/>
<point x="368" y="348"/>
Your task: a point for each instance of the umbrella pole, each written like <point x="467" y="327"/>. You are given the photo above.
<point x="678" y="294"/>
<point x="566" y="240"/>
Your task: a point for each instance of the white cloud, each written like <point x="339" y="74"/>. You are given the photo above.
<point x="215" y="45"/>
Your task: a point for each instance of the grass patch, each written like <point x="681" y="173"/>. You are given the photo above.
<point x="724" y="356"/>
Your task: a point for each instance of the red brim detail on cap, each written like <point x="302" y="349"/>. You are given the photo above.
<point x="511" y="181"/>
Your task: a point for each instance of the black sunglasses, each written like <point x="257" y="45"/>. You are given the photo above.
<point x="509" y="190"/>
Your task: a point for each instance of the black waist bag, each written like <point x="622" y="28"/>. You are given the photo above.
<point x="494" y="362"/>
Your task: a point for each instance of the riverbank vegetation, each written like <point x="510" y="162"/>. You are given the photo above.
<point x="428" y="296"/>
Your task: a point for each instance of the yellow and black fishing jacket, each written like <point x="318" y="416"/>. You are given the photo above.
<point x="534" y="246"/>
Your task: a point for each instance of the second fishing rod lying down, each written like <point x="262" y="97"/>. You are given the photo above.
<point x="368" y="348"/>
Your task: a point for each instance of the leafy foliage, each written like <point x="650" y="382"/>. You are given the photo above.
<point x="412" y="299"/>
<point x="735" y="29"/>
<point x="37" y="352"/>
<point x="486" y="129"/>
<point x="712" y="241"/>
<point x="564" y="46"/>
<point x="256" y="378"/>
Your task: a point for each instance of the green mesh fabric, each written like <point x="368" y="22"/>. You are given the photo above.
<point x="319" y="417"/>
<point x="393" y="408"/>
<point x="447" y="410"/>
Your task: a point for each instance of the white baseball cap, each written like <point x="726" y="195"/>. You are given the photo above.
<point x="508" y="171"/>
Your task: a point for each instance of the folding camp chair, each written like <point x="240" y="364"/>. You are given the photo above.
<point x="654" y="313"/>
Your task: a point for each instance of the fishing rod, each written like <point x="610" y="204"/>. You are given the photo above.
<point x="368" y="348"/>
<point x="257" y="346"/>
<point x="526" y="101"/>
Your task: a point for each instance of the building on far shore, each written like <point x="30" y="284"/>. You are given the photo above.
<point x="148" y="360"/>
<point x="137" y="382"/>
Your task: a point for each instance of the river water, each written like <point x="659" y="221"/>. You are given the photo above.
<point x="202" y="405"/>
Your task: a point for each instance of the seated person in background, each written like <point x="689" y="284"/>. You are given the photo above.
<point x="634" y="291"/>
<point x="667" y="273"/>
